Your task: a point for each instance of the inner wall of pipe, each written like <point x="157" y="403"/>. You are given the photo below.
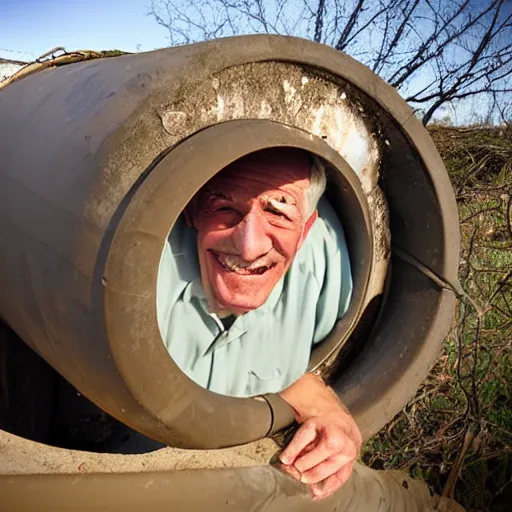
<point x="286" y="299"/>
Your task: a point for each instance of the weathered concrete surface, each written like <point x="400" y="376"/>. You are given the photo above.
<point x="286" y="93"/>
<point x="189" y="480"/>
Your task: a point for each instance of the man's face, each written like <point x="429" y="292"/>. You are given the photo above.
<point x="250" y="221"/>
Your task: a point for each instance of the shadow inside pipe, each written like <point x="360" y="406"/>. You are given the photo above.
<point x="355" y="344"/>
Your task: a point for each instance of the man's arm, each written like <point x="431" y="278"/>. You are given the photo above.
<point x="323" y="451"/>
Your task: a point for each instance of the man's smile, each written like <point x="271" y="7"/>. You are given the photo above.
<point x="233" y="263"/>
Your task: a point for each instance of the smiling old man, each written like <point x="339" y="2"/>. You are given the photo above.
<point x="253" y="276"/>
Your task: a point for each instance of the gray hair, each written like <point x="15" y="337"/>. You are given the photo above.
<point x="318" y="182"/>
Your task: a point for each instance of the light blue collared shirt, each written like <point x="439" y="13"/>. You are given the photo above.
<point x="268" y="348"/>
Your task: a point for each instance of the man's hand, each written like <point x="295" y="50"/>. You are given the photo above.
<point x="323" y="451"/>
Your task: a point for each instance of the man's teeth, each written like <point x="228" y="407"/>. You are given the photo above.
<point x="235" y="264"/>
<point x="232" y="262"/>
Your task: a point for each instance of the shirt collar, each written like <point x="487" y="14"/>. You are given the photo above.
<point x="194" y="294"/>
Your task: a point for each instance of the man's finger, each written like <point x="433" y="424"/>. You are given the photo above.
<point x="302" y="438"/>
<point x="324" y="449"/>
<point x="325" y="469"/>
<point x="324" y="489"/>
<point x="290" y="471"/>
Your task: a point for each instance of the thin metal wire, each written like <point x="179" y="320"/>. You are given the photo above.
<point x="456" y="287"/>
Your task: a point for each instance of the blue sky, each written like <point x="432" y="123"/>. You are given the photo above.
<point x="32" y="27"/>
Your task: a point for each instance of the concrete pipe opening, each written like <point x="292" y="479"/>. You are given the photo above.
<point x="316" y="293"/>
<point x="114" y="152"/>
<point x="168" y="187"/>
<point x="186" y="169"/>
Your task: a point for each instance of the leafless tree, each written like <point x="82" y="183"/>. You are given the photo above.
<point x="434" y="52"/>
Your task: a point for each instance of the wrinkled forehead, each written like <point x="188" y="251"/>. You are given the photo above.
<point x="279" y="168"/>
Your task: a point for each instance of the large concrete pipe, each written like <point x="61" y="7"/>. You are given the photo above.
<point x="222" y="483"/>
<point x="99" y="158"/>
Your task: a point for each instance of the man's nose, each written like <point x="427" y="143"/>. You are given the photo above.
<point x="250" y="237"/>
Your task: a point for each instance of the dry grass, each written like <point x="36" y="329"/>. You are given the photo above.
<point x="457" y="432"/>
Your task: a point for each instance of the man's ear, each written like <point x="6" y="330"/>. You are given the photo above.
<point x="307" y="226"/>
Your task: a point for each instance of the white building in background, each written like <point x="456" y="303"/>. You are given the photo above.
<point x="9" y="67"/>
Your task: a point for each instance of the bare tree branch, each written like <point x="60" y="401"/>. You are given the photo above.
<point x="319" y="24"/>
<point x="342" y="41"/>
<point x="434" y="52"/>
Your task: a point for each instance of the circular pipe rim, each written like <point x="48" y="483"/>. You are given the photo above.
<point x="141" y="226"/>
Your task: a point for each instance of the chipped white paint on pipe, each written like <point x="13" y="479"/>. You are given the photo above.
<point x="220" y="108"/>
<point x="285" y="93"/>
<point x="265" y="110"/>
<point x="316" y="128"/>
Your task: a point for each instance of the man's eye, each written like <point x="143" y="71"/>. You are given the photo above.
<point x="274" y="211"/>
<point x="224" y="209"/>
